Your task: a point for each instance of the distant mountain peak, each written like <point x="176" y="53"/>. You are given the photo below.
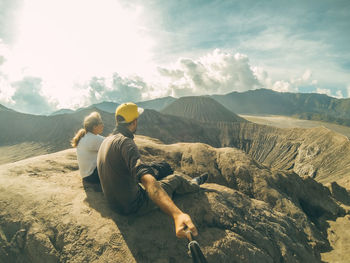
<point x="201" y="108"/>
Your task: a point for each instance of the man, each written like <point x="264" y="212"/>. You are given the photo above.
<point x="130" y="185"/>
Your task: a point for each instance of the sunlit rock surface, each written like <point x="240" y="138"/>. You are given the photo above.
<point x="245" y="213"/>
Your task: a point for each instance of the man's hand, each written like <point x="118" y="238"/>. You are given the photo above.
<point x="183" y="224"/>
<point x="156" y="193"/>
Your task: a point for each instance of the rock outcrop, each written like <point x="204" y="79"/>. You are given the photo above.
<point x="246" y="213"/>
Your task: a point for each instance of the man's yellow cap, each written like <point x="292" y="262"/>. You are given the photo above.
<point x="129" y="111"/>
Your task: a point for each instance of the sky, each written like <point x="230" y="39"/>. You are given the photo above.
<point x="72" y="53"/>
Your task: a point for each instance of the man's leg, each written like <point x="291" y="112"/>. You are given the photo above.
<point x="178" y="184"/>
<point x="172" y="184"/>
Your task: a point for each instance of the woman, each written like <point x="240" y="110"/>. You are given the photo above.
<point x="88" y="141"/>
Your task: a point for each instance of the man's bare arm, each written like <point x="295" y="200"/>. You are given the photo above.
<point x="157" y="194"/>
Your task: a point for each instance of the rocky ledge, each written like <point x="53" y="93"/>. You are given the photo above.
<point x="245" y="213"/>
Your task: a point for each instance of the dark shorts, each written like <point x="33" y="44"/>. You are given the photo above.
<point x="92" y="178"/>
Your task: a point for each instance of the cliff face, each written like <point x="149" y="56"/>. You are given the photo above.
<point x="317" y="152"/>
<point x="265" y="101"/>
<point x="246" y="213"/>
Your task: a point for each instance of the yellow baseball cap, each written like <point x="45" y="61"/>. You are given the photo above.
<point x="129" y="111"/>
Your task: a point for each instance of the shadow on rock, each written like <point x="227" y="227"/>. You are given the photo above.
<point x="232" y="228"/>
<point x="151" y="237"/>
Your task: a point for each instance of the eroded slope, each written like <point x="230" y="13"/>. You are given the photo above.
<point x="317" y="152"/>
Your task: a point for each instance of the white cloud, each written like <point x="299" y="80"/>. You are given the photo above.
<point x="71" y="41"/>
<point x="307" y="75"/>
<point x="217" y="72"/>
<point x="29" y="98"/>
<point x="262" y="77"/>
<point x="348" y="90"/>
<point x="284" y="85"/>
<point x="3" y="52"/>
<point x="122" y="89"/>
<point x="323" y="91"/>
<point x="65" y="43"/>
<point x="115" y="88"/>
<point x="339" y="94"/>
<point x="23" y="93"/>
<point x="223" y="72"/>
<point x="6" y="91"/>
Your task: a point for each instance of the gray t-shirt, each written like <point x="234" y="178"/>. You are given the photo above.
<point x="120" y="170"/>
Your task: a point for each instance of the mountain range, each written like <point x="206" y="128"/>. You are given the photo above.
<point x="108" y="106"/>
<point x="309" y="106"/>
<point x="318" y="152"/>
<point x="312" y="106"/>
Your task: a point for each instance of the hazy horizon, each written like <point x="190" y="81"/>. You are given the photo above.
<point x="71" y="54"/>
<point x="73" y="109"/>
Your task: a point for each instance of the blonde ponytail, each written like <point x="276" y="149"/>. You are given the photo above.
<point x="90" y="121"/>
<point x="80" y="134"/>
